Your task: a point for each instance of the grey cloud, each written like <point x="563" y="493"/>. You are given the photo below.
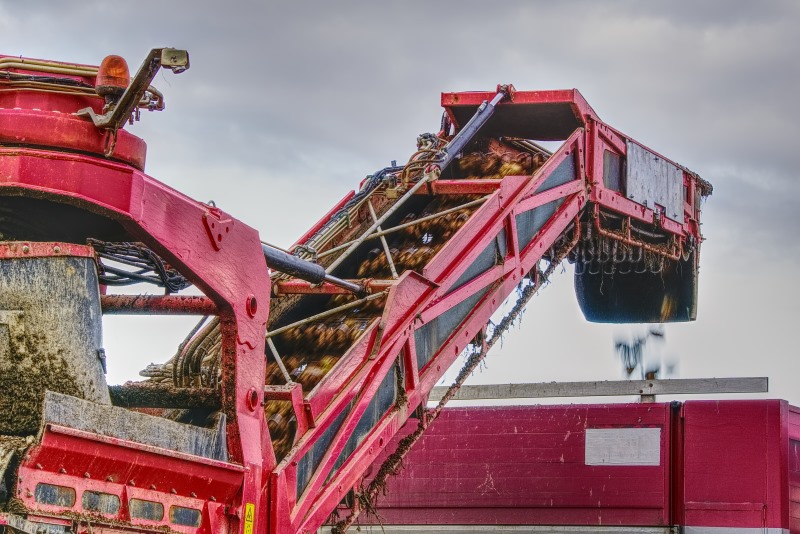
<point x="368" y="75"/>
<point x="289" y="104"/>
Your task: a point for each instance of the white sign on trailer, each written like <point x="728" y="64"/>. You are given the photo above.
<point x="623" y="446"/>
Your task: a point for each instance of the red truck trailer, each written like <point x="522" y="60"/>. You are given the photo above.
<point x="696" y="467"/>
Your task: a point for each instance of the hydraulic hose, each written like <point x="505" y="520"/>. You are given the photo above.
<point x="304" y="270"/>
<point x="465" y="135"/>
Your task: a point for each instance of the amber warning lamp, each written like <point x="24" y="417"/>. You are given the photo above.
<point x="123" y="94"/>
<point x="113" y="77"/>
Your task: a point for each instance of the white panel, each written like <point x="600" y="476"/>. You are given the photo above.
<point x="668" y="386"/>
<point x="623" y="446"/>
<point x="653" y="180"/>
<point x="734" y="530"/>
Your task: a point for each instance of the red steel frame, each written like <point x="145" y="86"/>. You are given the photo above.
<point x="173" y="226"/>
<point x="229" y="268"/>
<point x="417" y="299"/>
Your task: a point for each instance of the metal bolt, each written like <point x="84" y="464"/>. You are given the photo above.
<point x="25" y="249"/>
<point x="252" y="399"/>
<point x="57" y="249"/>
<point x="251" y="305"/>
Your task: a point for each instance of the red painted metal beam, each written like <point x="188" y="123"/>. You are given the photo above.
<point x="301" y="287"/>
<point x="327" y="217"/>
<point x="159" y="305"/>
<point x="461" y="187"/>
<point x="573" y="97"/>
<point x="222" y="269"/>
<point x="34" y="249"/>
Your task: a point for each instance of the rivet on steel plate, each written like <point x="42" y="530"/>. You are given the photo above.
<point x="57" y="249"/>
<point x="26" y="249"/>
<point x="251" y="305"/>
<point x="252" y="399"/>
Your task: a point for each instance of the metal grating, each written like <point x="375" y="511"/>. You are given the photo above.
<point x="121" y="423"/>
<point x="494" y="254"/>
<point x="430" y="337"/>
<point x="613" y="172"/>
<point x="530" y="222"/>
<point x="381" y="403"/>
<point x="563" y="173"/>
<point x="310" y="461"/>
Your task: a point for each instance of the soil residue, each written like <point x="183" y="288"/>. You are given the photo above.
<point x="24" y="377"/>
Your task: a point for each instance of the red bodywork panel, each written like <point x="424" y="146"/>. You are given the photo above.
<point x="736" y="464"/>
<point x="721" y="464"/>
<point x="46" y="119"/>
<point x="87" y="462"/>
<point x="526" y="466"/>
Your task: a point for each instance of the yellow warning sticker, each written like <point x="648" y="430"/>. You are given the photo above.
<point x="249" y="516"/>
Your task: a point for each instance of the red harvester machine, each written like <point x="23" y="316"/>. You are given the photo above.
<point x="291" y="384"/>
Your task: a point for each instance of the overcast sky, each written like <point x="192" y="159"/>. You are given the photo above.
<point x="288" y="105"/>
